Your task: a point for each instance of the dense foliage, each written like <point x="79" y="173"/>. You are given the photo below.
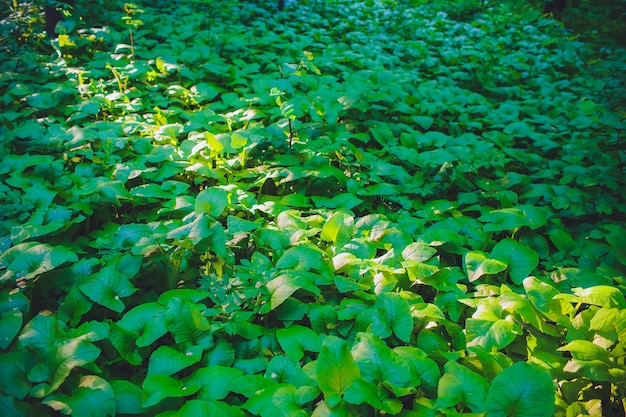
<point x="340" y="209"/>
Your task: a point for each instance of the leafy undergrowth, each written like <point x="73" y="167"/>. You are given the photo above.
<point x="341" y="209"/>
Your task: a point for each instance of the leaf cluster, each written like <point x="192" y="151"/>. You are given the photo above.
<point x="341" y="209"/>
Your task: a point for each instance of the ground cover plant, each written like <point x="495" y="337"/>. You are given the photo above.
<point x="341" y="209"/>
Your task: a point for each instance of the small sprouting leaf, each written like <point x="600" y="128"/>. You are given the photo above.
<point x="159" y="387"/>
<point x="459" y="385"/>
<point x="93" y="397"/>
<point x="296" y="339"/>
<point x="519" y="258"/>
<point x="168" y="361"/>
<point x="212" y="201"/>
<point x="335" y="369"/>
<point x="215" y="382"/>
<point x="521" y="390"/>
<point x="338" y="229"/>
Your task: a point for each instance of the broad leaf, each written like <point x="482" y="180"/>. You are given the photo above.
<point x="459" y="385"/>
<point x="519" y="258"/>
<point x="338" y="229"/>
<point x="93" y="397"/>
<point x="215" y="382"/>
<point x="212" y="201"/>
<point x="335" y="369"/>
<point x="159" y="387"/>
<point x="168" y="361"/>
<point x="521" y="390"/>
<point x="296" y="339"/>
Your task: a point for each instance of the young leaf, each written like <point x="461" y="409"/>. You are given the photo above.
<point x="335" y="369"/>
<point x="521" y="390"/>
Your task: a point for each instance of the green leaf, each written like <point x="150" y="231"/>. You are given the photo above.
<point x="338" y="229"/>
<point x="168" y="361"/>
<point x="363" y="391"/>
<point x="107" y="287"/>
<point x="503" y="219"/>
<point x="236" y="225"/>
<point x="379" y="364"/>
<point x="335" y="369"/>
<point x="212" y="201"/>
<point x="215" y="382"/>
<point x="187" y="325"/>
<point x="127" y="397"/>
<point x="296" y="339"/>
<point x="521" y="390"/>
<point x="584" y="350"/>
<point x="301" y="257"/>
<point x="601" y="295"/>
<point x="459" y="385"/>
<point x="477" y="264"/>
<point x="519" y="258"/>
<point x="68" y="355"/>
<point x="159" y="387"/>
<point x="422" y="368"/>
<point x="392" y="314"/>
<point x="28" y="260"/>
<point x="93" y="397"/>
<point x="281" y="399"/>
<point x="223" y="354"/>
<point x="14" y="367"/>
<point x="489" y="334"/>
<point x="10" y="324"/>
<point x="283" y="286"/>
<point x="195" y="408"/>
<point x="124" y="341"/>
<point x="146" y="322"/>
